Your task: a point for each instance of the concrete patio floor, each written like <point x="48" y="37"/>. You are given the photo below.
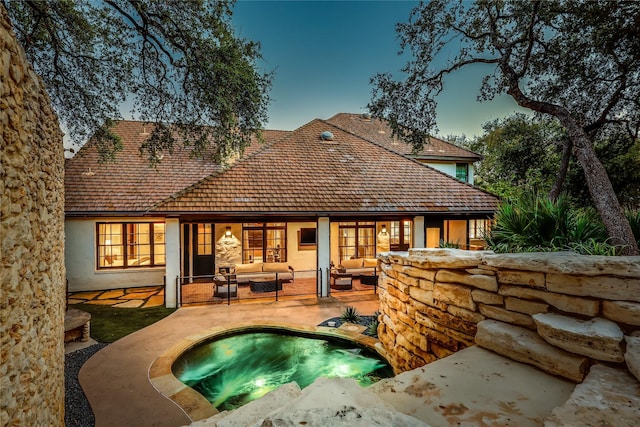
<point x="116" y="379"/>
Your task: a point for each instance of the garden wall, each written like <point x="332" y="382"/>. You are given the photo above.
<point x="32" y="238"/>
<point x="560" y="312"/>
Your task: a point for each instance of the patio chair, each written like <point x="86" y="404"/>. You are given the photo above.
<point x="223" y="285"/>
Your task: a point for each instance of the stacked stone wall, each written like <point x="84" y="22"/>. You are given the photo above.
<point x="561" y="312"/>
<point x="32" y="300"/>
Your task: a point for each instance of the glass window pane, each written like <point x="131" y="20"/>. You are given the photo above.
<point x="462" y="171"/>
<point x="158" y="244"/>
<point x="138" y="245"/>
<point x="110" y="248"/>
<point x="252" y="245"/>
<point x="204" y="239"/>
<point x="407" y="233"/>
<point x="394" y="232"/>
<point x="347" y="244"/>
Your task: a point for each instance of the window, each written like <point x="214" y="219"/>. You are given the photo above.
<point x="357" y="240"/>
<point x="130" y="245"/>
<point x="204" y="239"/>
<point x="264" y="242"/>
<point x="462" y="172"/>
<point x="478" y="228"/>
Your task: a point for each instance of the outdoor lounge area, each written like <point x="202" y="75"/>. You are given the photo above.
<point x="215" y="291"/>
<point x="262" y="271"/>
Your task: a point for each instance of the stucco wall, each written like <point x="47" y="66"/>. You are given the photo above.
<point x="80" y="261"/>
<point x="560" y="312"/>
<point x="32" y="277"/>
<point x="305" y="260"/>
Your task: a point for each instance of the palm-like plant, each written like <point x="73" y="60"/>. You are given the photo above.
<point x="633" y="215"/>
<point x="350" y="314"/>
<point x="536" y="223"/>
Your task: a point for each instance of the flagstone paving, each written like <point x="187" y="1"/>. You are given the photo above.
<point x="144" y="297"/>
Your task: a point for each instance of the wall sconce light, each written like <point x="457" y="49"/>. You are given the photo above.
<point x="384" y="229"/>
<point x="227" y="233"/>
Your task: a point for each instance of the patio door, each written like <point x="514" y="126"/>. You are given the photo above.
<point x="400" y="235"/>
<point x="202" y="249"/>
<point x="434" y="233"/>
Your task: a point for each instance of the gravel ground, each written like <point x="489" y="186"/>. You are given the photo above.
<point x="77" y="411"/>
<point x="364" y="321"/>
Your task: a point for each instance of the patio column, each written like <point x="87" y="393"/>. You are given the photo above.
<point x="172" y="253"/>
<point x="418" y="232"/>
<point x="324" y="253"/>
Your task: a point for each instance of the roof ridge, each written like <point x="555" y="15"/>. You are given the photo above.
<point x="437" y="138"/>
<point x="409" y="158"/>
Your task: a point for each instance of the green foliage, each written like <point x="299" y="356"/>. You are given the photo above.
<point x="593" y="247"/>
<point x="520" y="155"/>
<point x="350" y="314"/>
<point x="178" y="64"/>
<point x="108" y="143"/>
<point x="452" y="245"/>
<point x="109" y="324"/>
<point x="559" y="59"/>
<point x="533" y="223"/>
<point x="528" y="50"/>
<point x="633" y="216"/>
<point x="372" y="328"/>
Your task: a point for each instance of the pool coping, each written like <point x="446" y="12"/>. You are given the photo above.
<point x="192" y="403"/>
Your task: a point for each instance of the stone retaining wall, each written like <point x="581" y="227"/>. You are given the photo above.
<point x="560" y="312"/>
<point x="32" y="229"/>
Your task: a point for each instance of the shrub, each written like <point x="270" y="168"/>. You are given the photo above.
<point x="534" y="223"/>
<point x="372" y="328"/>
<point x="351" y="315"/>
<point x="451" y="245"/>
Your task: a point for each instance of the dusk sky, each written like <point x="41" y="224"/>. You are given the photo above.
<point x="323" y="54"/>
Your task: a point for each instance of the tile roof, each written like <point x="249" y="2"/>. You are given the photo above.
<point x="300" y="173"/>
<point x="131" y="185"/>
<point x="379" y="131"/>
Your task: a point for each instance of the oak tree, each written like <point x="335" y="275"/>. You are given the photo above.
<point x="177" y="64"/>
<point x="576" y="61"/>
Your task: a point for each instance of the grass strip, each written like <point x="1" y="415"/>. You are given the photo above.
<point x="109" y="324"/>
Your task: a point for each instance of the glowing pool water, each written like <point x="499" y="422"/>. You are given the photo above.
<point x="235" y="370"/>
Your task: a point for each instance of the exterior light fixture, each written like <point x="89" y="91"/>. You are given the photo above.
<point x="228" y="232"/>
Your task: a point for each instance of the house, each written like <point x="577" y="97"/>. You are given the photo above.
<point x="438" y="154"/>
<point x="310" y="197"/>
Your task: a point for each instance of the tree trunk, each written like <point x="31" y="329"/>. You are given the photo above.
<point x="600" y="188"/>
<point x="562" y="173"/>
<point x="602" y="194"/>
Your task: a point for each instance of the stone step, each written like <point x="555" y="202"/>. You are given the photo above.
<point x="598" y="338"/>
<point x="528" y="347"/>
<point x="607" y="397"/>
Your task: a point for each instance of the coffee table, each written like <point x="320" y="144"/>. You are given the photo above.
<point x="341" y="281"/>
<point x="369" y="279"/>
<point x="265" y="285"/>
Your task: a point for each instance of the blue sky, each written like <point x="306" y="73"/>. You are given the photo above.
<point x="323" y="54"/>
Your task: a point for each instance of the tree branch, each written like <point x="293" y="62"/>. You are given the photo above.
<point x="142" y="30"/>
<point x="531" y="38"/>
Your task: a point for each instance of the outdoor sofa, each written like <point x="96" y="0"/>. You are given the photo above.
<point x="263" y="271"/>
<point x="358" y="266"/>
